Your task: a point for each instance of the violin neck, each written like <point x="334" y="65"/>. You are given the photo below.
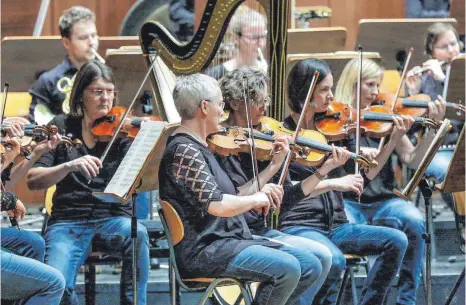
<point x="319" y="146"/>
<point x="423" y="104"/>
<point x="384" y="117"/>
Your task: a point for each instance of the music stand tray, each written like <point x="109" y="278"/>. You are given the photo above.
<point x="316" y="40"/>
<point x="389" y="36"/>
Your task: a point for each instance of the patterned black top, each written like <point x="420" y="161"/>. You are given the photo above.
<point x="190" y="178"/>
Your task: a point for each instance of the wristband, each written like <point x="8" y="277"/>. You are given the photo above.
<point x="319" y="176"/>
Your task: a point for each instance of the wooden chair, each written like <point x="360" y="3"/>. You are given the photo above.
<point x="174" y="231"/>
<point x="352" y="262"/>
<point x="460" y="213"/>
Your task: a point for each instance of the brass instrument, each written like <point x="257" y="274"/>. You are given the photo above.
<point x="196" y="55"/>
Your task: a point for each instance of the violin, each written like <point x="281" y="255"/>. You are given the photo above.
<point x="310" y="148"/>
<point x="313" y="145"/>
<point x="376" y="121"/>
<point x="106" y="126"/>
<point x="415" y="105"/>
<point x="34" y="134"/>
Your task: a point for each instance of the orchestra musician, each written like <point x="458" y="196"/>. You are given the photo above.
<point x="78" y="218"/>
<point x="79" y="38"/>
<point x="24" y="275"/>
<point x="321" y="216"/>
<point x="442" y="45"/>
<point x="240" y="170"/>
<point x="249" y="35"/>
<point x="217" y="239"/>
<point x="378" y="205"/>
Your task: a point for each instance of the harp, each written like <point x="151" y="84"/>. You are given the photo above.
<point x="175" y="58"/>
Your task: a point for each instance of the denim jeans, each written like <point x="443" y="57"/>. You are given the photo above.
<point x="404" y="216"/>
<point x="24" y="275"/>
<point x="388" y="244"/>
<point x="438" y="169"/>
<point x="311" y="250"/>
<point x="69" y="243"/>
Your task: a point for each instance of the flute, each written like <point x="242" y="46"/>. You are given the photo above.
<point x="99" y="58"/>
<point x="422" y="70"/>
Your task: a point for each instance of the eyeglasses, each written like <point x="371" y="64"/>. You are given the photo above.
<point x="444" y="47"/>
<point x="254" y="37"/>
<point x="99" y="92"/>
<point x="221" y="103"/>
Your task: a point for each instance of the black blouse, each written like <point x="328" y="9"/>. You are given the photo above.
<point x="190" y="178"/>
<point x="239" y="169"/>
<point x="73" y="199"/>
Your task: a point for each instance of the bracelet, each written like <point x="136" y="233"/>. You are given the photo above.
<point x="319" y="176"/>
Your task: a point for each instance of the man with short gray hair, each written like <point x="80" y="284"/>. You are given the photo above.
<point x="79" y="38"/>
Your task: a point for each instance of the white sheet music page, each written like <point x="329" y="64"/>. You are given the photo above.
<point x="134" y="159"/>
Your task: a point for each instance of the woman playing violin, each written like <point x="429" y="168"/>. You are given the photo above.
<point x="321" y="216"/>
<point x="233" y="86"/>
<point x="24" y="275"/>
<point x="77" y="217"/>
<point x="442" y="45"/>
<point x="378" y="204"/>
<point x="217" y="241"/>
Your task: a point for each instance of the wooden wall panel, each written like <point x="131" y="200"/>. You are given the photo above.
<point x="19" y="16"/>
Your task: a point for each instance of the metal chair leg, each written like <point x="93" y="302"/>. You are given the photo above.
<point x="89" y="285"/>
<point x="354" y="292"/>
<point x="343" y="285"/>
<point x="455" y="288"/>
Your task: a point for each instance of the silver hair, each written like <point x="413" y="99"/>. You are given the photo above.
<point x="71" y="16"/>
<point x="232" y="86"/>
<point x="190" y="90"/>
<point x="245" y="16"/>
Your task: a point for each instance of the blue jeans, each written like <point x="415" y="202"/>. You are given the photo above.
<point x="312" y="250"/>
<point x="388" y="244"/>
<point x="143" y="202"/>
<point x="404" y="216"/>
<point x="24" y="275"/>
<point x="438" y="169"/>
<point x="69" y="243"/>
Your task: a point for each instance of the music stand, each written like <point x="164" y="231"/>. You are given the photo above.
<point x="456" y="92"/>
<point x="316" y="40"/>
<point x="129" y="68"/>
<point x="137" y="173"/>
<point x="420" y="180"/>
<point x="25" y="56"/>
<point x="390" y="36"/>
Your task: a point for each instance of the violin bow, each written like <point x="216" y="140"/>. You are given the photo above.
<point x="397" y="93"/>
<point x="252" y="146"/>
<point x="298" y="127"/>
<point x="447" y="80"/>
<point x="293" y="139"/>
<point x="5" y="95"/>
<point x="123" y="118"/>
<point x="358" y="109"/>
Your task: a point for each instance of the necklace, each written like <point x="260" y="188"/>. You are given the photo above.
<point x="193" y="134"/>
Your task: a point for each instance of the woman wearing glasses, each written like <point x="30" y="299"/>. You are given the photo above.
<point x="248" y="32"/>
<point x="442" y="45"/>
<point x="77" y="217"/>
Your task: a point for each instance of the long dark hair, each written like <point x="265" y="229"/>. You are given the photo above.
<point x="88" y="73"/>
<point x="300" y="79"/>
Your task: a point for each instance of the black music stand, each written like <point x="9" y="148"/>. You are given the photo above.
<point x="454" y="182"/>
<point x="419" y="179"/>
<point x="146" y="165"/>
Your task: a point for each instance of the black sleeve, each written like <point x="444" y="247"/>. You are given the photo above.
<point x="8" y="201"/>
<point x="191" y="171"/>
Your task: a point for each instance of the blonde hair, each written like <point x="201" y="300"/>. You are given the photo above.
<point x="344" y="91"/>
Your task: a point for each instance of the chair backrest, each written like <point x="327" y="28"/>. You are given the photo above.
<point x="173" y="221"/>
<point x="49" y="199"/>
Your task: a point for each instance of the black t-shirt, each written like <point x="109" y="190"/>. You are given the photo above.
<point x="190" y="178"/>
<point x="381" y="187"/>
<point x="325" y="211"/>
<point x="239" y="169"/>
<point x="73" y="198"/>
<point x="45" y="90"/>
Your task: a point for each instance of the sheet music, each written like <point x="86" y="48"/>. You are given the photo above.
<point x="127" y="172"/>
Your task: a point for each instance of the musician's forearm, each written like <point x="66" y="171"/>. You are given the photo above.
<point x="264" y="177"/>
<point x="42" y="178"/>
<point x="19" y="171"/>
